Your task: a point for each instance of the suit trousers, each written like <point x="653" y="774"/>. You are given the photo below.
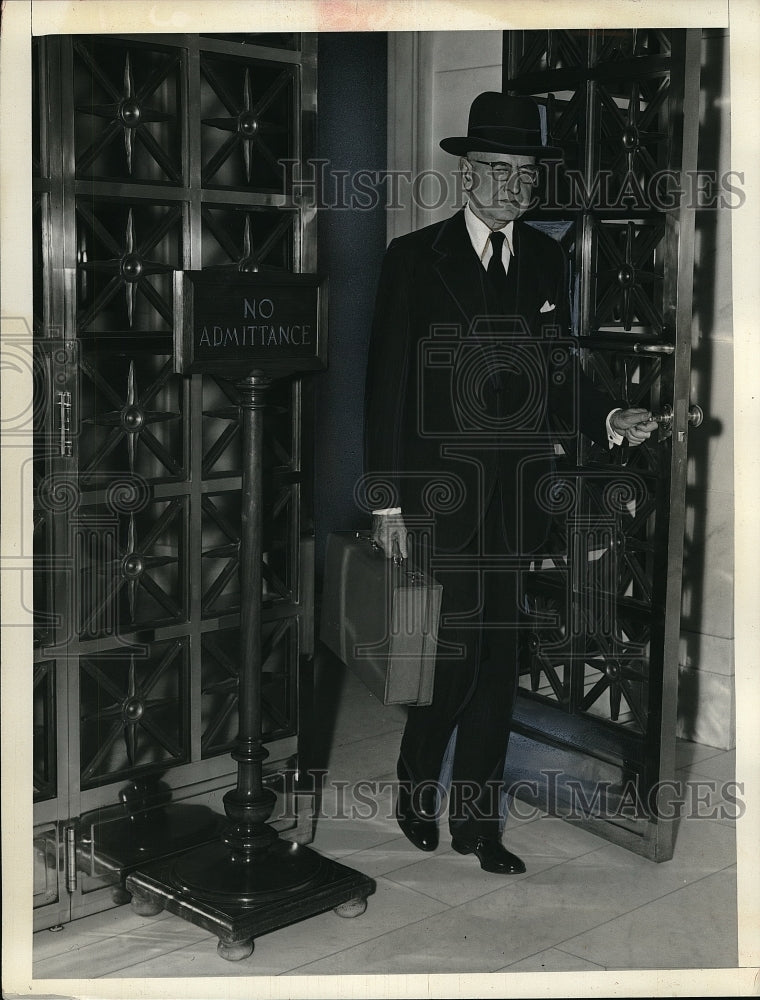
<point x="476" y="677"/>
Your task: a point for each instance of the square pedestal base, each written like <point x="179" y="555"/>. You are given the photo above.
<point x="237" y="919"/>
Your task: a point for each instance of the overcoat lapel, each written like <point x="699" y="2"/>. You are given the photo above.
<point x="526" y="272"/>
<point x="459" y="269"/>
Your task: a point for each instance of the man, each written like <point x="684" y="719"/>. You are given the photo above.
<point x="467" y="367"/>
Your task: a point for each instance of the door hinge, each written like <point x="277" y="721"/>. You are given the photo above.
<point x="66" y="446"/>
<point x="71" y="859"/>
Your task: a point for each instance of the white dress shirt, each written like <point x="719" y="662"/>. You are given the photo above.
<point x="479" y="234"/>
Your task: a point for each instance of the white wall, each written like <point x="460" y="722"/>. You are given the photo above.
<point x="706" y="707"/>
<point x="433" y="77"/>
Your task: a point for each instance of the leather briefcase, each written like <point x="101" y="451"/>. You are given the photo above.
<point x="380" y="618"/>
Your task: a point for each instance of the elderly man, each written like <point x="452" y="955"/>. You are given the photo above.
<point x="468" y="366"/>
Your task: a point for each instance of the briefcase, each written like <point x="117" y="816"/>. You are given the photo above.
<point x="380" y="618"/>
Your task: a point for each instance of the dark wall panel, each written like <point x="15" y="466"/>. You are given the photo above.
<point x="352" y="130"/>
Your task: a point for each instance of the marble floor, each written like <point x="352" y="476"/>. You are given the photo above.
<point x="583" y="904"/>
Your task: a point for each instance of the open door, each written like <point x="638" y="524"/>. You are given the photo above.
<point x="595" y="724"/>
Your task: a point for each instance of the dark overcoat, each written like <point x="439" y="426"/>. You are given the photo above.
<point x="463" y="390"/>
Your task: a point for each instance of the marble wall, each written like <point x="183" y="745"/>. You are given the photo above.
<point x="706" y="711"/>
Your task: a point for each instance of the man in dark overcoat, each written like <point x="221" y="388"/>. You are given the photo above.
<point x="470" y="369"/>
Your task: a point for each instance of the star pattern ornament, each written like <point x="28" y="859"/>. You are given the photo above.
<point x="132" y="419"/>
<point x="131" y="568"/>
<point x="629" y="132"/>
<point x="247" y="255"/>
<point x="128" y="115"/>
<point x="629" y="270"/>
<point x="245" y="122"/>
<point x="130" y="267"/>
<point x="129" y="709"/>
<point x="622" y="672"/>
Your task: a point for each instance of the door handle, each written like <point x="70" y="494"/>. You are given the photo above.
<point x="653" y="348"/>
<point x="695" y="417"/>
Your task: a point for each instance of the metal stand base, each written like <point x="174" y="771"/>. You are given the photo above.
<point x="248" y="882"/>
<point x="239" y="901"/>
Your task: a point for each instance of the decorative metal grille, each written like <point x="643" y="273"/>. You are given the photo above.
<point x="128" y="120"/>
<point x="220" y="684"/>
<point x="131" y="411"/>
<point x="44" y="765"/>
<point x="155" y="155"/>
<point x="221" y="430"/>
<point x="260" y="239"/>
<point x="627" y="289"/>
<point x="133" y="712"/>
<point x="126" y="256"/>
<point x="132" y="566"/>
<point x="596" y="654"/>
<point x="246" y="116"/>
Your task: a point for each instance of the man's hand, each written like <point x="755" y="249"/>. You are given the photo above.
<point x="389" y="532"/>
<point x="634" y="424"/>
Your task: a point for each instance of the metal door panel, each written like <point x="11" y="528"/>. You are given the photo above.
<point x="599" y="676"/>
<point x="45" y="733"/>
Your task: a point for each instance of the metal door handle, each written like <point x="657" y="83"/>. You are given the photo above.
<point x="695" y="417"/>
<point x="665" y="418"/>
<point x="653" y="348"/>
<point x="65" y="443"/>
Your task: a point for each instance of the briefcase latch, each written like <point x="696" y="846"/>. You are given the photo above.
<point x="363" y="536"/>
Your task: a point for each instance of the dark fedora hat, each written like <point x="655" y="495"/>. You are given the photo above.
<point x="502" y="124"/>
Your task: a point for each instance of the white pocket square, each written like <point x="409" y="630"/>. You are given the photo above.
<point x="547" y="307"/>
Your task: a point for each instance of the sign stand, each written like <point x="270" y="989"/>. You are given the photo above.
<point x="250" y="882"/>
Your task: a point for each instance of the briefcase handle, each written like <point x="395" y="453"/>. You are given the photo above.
<point x="413" y="575"/>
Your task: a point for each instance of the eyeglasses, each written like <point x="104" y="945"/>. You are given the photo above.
<point x="507" y="172"/>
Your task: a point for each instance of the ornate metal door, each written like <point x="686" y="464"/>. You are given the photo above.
<point x="156" y="153"/>
<point x="596" y="717"/>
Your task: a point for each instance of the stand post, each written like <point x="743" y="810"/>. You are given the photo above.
<point x="249" y="805"/>
<point x="250" y="881"/>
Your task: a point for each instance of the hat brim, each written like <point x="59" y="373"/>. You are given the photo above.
<point x="462" y="145"/>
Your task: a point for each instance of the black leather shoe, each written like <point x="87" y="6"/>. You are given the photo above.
<point x="416" y="827"/>
<point x="492" y="855"/>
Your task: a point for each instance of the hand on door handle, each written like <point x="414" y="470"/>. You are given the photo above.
<point x="695" y="417"/>
<point x="634" y="423"/>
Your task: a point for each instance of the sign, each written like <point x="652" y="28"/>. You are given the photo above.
<point x="232" y="323"/>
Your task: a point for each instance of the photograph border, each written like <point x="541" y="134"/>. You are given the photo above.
<point x="23" y="18"/>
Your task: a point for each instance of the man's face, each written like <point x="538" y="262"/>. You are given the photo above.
<point x="500" y="185"/>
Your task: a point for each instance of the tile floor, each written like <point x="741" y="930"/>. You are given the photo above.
<point x="583" y="904"/>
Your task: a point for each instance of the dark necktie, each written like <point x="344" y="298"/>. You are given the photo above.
<point x="495" y="270"/>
